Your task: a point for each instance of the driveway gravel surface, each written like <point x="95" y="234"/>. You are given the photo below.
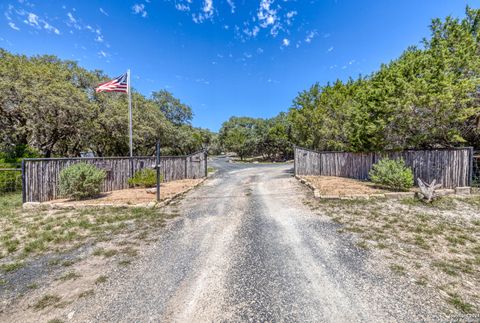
<point x="247" y="248"/>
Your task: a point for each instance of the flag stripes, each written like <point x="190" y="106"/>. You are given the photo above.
<point x="118" y="84"/>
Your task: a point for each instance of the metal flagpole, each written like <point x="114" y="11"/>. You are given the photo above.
<point x="130" y="113"/>
<point x="158" y="170"/>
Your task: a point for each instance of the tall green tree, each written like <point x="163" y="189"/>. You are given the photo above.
<point x="174" y="110"/>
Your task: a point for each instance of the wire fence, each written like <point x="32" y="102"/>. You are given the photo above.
<point x="476" y="170"/>
<point x="10" y="180"/>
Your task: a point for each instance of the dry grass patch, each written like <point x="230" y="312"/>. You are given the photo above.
<point x="76" y="249"/>
<point x="27" y="233"/>
<point x="135" y="196"/>
<point x="331" y="185"/>
<point x="436" y="245"/>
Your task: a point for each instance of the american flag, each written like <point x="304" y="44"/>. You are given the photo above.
<point x="119" y="84"/>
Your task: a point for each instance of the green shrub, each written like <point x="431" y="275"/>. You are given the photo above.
<point x="393" y="174"/>
<point x="145" y="177"/>
<point x="81" y="180"/>
<point x="10" y="181"/>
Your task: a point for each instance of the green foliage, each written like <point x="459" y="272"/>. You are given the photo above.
<point x="174" y="110"/>
<point x="10" y="181"/>
<point x="392" y="173"/>
<point x="48" y="107"/>
<point x="81" y="180"/>
<point x="145" y="177"/>
<point x="257" y="137"/>
<point x="14" y="154"/>
<point x="427" y="98"/>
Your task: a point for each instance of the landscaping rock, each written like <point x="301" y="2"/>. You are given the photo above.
<point x="152" y="190"/>
<point x="360" y="196"/>
<point x="330" y="197"/>
<point x="445" y="192"/>
<point x="400" y="195"/>
<point x="378" y="196"/>
<point x="462" y="190"/>
<point x="31" y="205"/>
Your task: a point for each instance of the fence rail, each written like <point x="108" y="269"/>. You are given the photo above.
<point x="450" y="167"/>
<point x="41" y="175"/>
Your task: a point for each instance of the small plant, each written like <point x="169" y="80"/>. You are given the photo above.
<point x="145" y="177"/>
<point x="398" y="269"/>
<point x="11" y="266"/>
<point x="101" y="279"/>
<point x="392" y="173"/>
<point x="69" y="276"/>
<point x="81" y="181"/>
<point x="45" y="301"/>
<point x="456" y="301"/>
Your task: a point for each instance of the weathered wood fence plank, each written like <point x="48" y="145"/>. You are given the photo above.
<point x="41" y="175"/>
<point x="451" y="167"/>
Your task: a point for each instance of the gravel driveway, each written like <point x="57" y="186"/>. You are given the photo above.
<point x="247" y="248"/>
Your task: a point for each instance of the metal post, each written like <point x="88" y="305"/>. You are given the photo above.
<point x="157" y="166"/>
<point x="470" y="177"/>
<point x="206" y="159"/>
<point x="130" y="113"/>
<point x="294" y="160"/>
<point x="24" y="192"/>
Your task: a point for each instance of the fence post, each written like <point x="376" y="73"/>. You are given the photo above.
<point x="294" y="160"/>
<point x="470" y="172"/>
<point x="186" y="168"/>
<point x="206" y="167"/>
<point x="24" y="193"/>
<point x="157" y="166"/>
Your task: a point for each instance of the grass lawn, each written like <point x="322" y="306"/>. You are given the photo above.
<point x="436" y="245"/>
<point x="50" y="258"/>
<point x="32" y="232"/>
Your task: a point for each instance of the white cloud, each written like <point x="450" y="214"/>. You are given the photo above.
<point x="102" y="53"/>
<point x="206" y="12"/>
<point x="310" y="36"/>
<point x="269" y="18"/>
<point x="13" y="26"/>
<point x="71" y="18"/>
<point x="103" y="12"/>
<point x="73" y="22"/>
<point x="139" y="9"/>
<point x="290" y="16"/>
<point x="232" y="5"/>
<point x="32" y="20"/>
<point x="286" y="42"/>
<point x="50" y="28"/>
<point x="182" y="7"/>
<point x="330" y="49"/>
<point x="266" y="15"/>
<point x="202" y="81"/>
<point x="208" y="7"/>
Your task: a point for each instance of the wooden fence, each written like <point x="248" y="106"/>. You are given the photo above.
<point x="41" y="175"/>
<point x="451" y="167"/>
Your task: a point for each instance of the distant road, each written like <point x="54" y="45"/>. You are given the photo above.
<point x="247" y="248"/>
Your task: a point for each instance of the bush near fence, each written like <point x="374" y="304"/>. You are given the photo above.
<point x="10" y="180"/>
<point x="450" y="167"/>
<point x="41" y="175"/>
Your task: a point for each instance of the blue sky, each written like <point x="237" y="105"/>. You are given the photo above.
<point x="224" y="57"/>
